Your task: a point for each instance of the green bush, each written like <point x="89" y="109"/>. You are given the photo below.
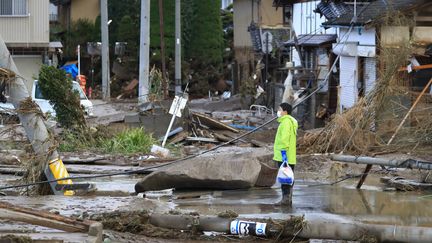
<point x="128" y="142"/>
<point x="57" y="88"/>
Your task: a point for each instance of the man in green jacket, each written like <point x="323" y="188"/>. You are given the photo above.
<point x="285" y="146"/>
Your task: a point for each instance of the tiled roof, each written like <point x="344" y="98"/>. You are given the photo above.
<point x="369" y="12"/>
<point x="313" y="40"/>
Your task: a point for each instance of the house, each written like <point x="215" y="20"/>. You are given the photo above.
<point x="24" y="26"/>
<point x="72" y="10"/>
<point x="253" y="18"/>
<point x="364" y="34"/>
<point x="310" y="53"/>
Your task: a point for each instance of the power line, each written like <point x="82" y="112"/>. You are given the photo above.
<point x="130" y="172"/>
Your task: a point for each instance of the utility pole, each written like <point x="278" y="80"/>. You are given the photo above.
<point x="162" y="46"/>
<point x="143" y="88"/>
<point x="178" y="82"/>
<point x="105" y="51"/>
<point x="43" y="143"/>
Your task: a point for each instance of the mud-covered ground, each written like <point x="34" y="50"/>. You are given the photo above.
<point x="323" y="188"/>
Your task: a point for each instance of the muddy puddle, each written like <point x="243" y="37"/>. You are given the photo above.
<point x="341" y="201"/>
<point x="370" y="205"/>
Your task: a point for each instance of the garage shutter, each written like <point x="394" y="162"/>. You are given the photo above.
<point x="348" y="81"/>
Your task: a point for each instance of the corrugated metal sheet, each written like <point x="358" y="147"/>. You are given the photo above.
<point x="33" y="28"/>
<point x="348" y="81"/>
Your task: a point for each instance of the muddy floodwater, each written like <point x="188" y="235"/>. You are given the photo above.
<point x="372" y="204"/>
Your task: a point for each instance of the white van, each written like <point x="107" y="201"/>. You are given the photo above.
<point x="46" y="107"/>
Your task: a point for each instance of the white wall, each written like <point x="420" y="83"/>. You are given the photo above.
<point x="365" y="37"/>
<point x="348" y="82"/>
<point x="30" y="29"/>
<point x="28" y="67"/>
<point x="349" y="63"/>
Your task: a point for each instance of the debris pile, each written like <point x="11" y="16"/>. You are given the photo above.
<point x="377" y="123"/>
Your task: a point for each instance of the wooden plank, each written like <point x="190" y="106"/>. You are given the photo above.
<point x="41" y="218"/>
<point x="77" y="160"/>
<point x="421" y="67"/>
<point x="213" y="123"/>
<point x="204" y="140"/>
<point x="178" y="138"/>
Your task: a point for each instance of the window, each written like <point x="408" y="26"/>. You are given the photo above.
<point x="13" y="7"/>
<point x="287" y="14"/>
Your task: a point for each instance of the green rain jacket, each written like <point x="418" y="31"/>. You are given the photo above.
<point x="286" y="139"/>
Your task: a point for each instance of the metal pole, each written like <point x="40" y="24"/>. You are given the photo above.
<point x="42" y="142"/>
<point x="317" y="227"/>
<point x="267" y="59"/>
<point x="105" y="51"/>
<point x="143" y="89"/>
<point x="79" y="59"/>
<point x="178" y="82"/>
<point x="171" y="123"/>
<point x="162" y="46"/>
<point x="397" y="163"/>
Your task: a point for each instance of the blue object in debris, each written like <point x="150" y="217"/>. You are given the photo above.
<point x="72" y="69"/>
<point x="242" y="127"/>
<point x="173" y="132"/>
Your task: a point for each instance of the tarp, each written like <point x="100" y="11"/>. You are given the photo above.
<point x="72" y="69"/>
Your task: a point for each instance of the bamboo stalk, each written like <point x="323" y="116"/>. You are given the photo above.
<point x="409" y="112"/>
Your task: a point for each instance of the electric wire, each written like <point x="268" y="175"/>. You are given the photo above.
<point x="139" y="171"/>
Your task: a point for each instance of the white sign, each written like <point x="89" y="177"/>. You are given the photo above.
<point x="179" y="103"/>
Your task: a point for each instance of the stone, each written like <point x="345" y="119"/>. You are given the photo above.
<point x="222" y="171"/>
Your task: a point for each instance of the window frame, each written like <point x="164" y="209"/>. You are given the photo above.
<point x="285" y="9"/>
<point x="13" y="15"/>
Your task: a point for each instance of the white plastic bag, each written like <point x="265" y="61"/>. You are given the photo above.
<point x="285" y="175"/>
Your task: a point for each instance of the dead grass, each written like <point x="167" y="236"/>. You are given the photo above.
<point x="367" y="127"/>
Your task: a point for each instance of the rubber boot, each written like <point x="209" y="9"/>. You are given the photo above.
<point x="286" y="196"/>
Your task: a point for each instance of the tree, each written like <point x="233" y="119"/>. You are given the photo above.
<point x="127" y="32"/>
<point x="57" y="88"/>
<point x="206" y="42"/>
<point x="79" y="33"/>
<point x="169" y="27"/>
